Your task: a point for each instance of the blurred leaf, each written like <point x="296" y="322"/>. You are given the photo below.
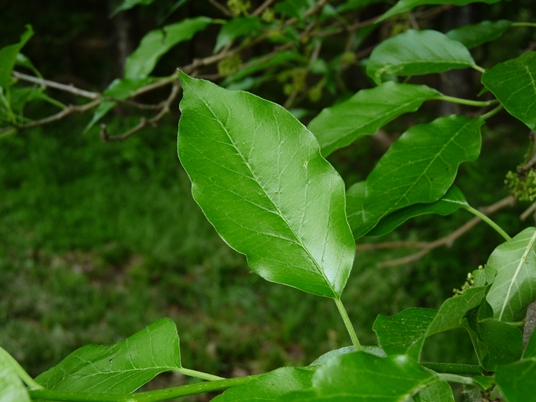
<point x="517" y="381"/>
<point x="437" y="392"/>
<point x="364" y="377"/>
<point x="446" y="205"/>
<point x="128" y="4"/>
<point x="475" y="35"/>
<point x="24" y="61"/>
<point x="8" y="56"/>
<point x="436" y="150"/>
<point x="12" y="389"/>
<point x="294" y="8"/>
<point x="235" y="28"/>
<point x="119" y="368"/>
<point x="365" y="112"/>
<point x="258" y="176"/>
<point x="404" y="333"/>
<point x="158" y="42"/>
<point x="405" y="5"/>
<point x="530" y="351"/>
<point x="373" y="350"/>
<point x="515" y="284"/>
<point x="417" y="53"/>
<point x="513" y="84"/>
<point x="355" y="4"/>
<point x="269" y="386"/>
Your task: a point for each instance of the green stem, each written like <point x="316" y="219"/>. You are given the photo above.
<point x="524" y="24"/>
<point x="478" y="68"/>
<point x="30" y="382"/>
<point x="457" y="378"/>
<point x="465" y="101"/>
<point x="199" y="374"/>
<point x="492" y="112"/>
<point x="150" y="396"/>
<point x="348" y="324"/>
<point x="454" y="368"/>
<point x="488" y="221"/>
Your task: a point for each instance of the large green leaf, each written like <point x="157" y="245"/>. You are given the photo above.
<point x="417" y="53"/>
<point x="119" y="368"/>
<point x="235" y="28"/>
<point x="514" y="84"/>
<point x="158" y="42"/>
<point x="269" y="386"/>
<point x="421" y="165"/>
<point x="437" y="392"/>
<point x="8" y="56"/>
<point x="405" y="5"/>
<point x="475" y="35"/>
<point x="364" y="377"/>
<point x="446" y="205"/>
<point x="12" y="389"/>
<point x="517" y="381"/>
<point x="354" y="209"/>
<point x="260" y="179"/>
<point x="365" y="112"/>
<point x="515" y="284"/>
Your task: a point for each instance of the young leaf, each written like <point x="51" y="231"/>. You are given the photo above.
<point x="404" y="333"/>
<point x="120" y="368"/>
<point x="517" y="381"/>
<point x="475" y="35"/>
<point x="446" y="205"/>
<point x="8" y="56"/>
<point x="365" y="112"/>
<point x="437" y="392"/>
<point x="405" y="5"/>
<point x="417" y="53"/>
<point x="421" y="165"/>
<point x="364" y="377"/>
<point x="12" y="389"/>
<point x="513" y="83"/>
<point x="515" y="284"/>
<point x="260" y="179"/>
<point x="158" y="42"/>
<point x="235" y="28"/>
<point x="269" y="386"/>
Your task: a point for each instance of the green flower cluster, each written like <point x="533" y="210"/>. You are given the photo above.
<point x="522" y="186"/>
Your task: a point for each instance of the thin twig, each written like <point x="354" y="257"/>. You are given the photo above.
<point x="56" y="85"/>
<point x="222" y="8"/>
<point x="262" y="7"/>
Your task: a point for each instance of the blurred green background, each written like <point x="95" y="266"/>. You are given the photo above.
<point x="98" y="240"/>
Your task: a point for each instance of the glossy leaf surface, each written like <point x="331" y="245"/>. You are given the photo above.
<point x="364" y="377"/>
<point x="437" y="392"/>
<point x="355" y="197"/>
<point x="158" y="42"/>
<point x="446" y="205"/>
<point x="514" y="84"/>
<point x="365" y="112"/>
<point x="405" y="5"/>
<point x="515" y="284"/>
<point x="417" y="53"/>
<point x="119" y="368"/>
<point x="475" y="35"/>
<point x="260" y="179"/>
<point x="421" y="165"/>
<point x="236" y="28"/>
<point x="269" y="386"/>
<point x="12" y="389"/>
<point x="8" y="56"/>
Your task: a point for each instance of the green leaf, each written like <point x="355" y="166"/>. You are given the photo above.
<point x="128" y="4"/>
<point x="515" y="284"/>
<point x="8" y="56"/>
<point x="119" y="368"/>
<point x="530" y="351"/>
<point x="514" y="84"/>
<point x="517" y="381"/>
<point x="406" y="5"/>
<point x="365" y="112"/>
<point x="260" y="179"/>
<point x="355" y="197"/>
<point x="119" y="89"/>
<point x="475" y="35"/>
<point x="293" y="8"/>
<point x="374" y="350"/>
<point x="404" y="333"/>
<point x="437" y="392"/>
<point x="158" y="42"/>
<point x="236" y="28"/>
<point x="12" y="389"/>
<point x="355" y="4"/>
<point x="364" y="377"/>
<point x="446" y="205"/>
<point x="269" y="386"/>
<point x="421" y="165"/>
<point x="417" y="53"/>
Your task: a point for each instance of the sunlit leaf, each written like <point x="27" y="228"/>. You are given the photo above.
<point x="119" y="368"/>
<point x="12" y="389"/>
<point x="236" y="28"/>
<point x="8" y="56"/>
<point x="515" y="284"/>
<point x="475" y="35"/>
<point x="517" y="381"/>
<point x="158" y="42"/>
<point x="258" y="176"/>
<point x="437" y="392"/>
<point x="406" y="5"/>
<point x="417" y="53"/>
<point x="269" y="386"/>
<point x="514" y="84"/>
<point x="365" y="112"/>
